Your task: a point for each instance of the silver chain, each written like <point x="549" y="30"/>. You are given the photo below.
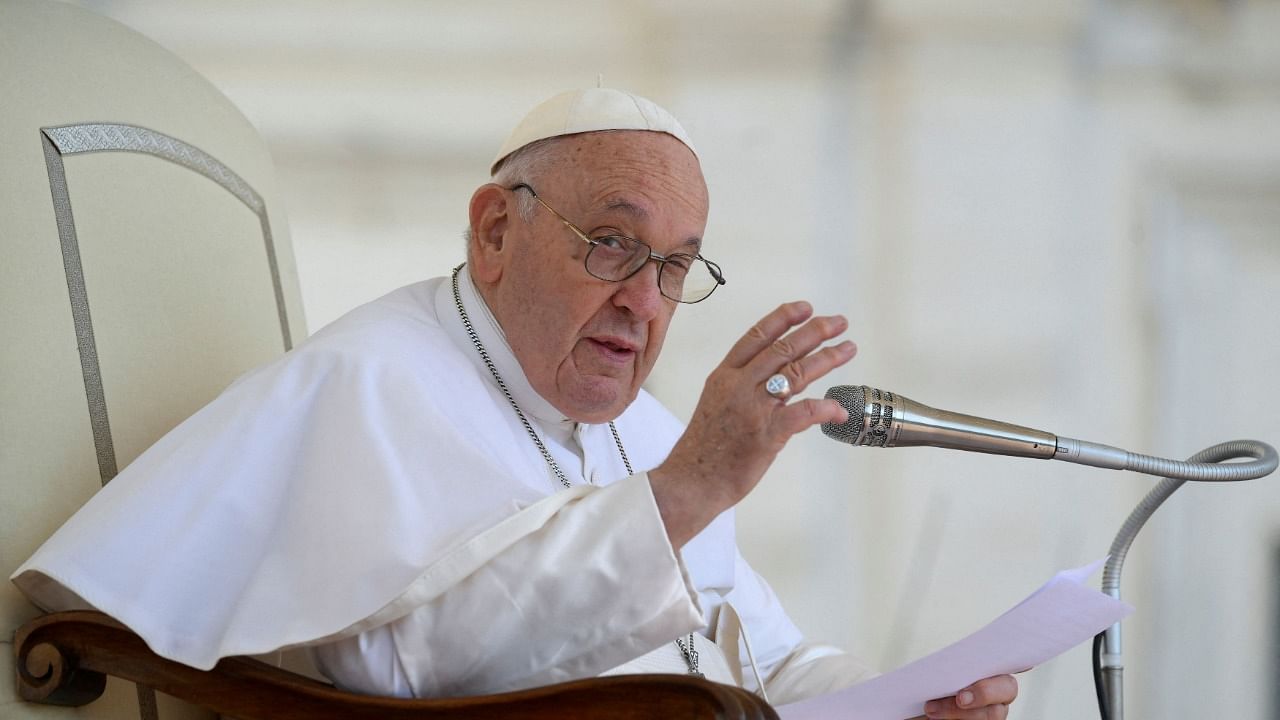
<point x="493" y="370"/>
<point x="690" y="655"/>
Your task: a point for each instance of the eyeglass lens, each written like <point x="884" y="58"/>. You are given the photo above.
<point x="681" y="277"/>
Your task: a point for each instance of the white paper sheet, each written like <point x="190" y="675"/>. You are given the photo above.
<point x="1061" y="614"/>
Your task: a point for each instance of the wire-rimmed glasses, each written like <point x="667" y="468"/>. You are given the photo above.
<point x="681" y="277"/>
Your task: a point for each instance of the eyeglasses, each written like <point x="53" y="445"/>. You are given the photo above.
<point x="681" y="277"/>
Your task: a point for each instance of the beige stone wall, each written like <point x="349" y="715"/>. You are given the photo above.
<point x="1062" y="214"/>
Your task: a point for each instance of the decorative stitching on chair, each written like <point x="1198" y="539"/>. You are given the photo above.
<point x="114" y="137"/>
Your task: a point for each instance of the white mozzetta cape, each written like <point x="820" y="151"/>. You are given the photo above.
<point x="375" y="478"/>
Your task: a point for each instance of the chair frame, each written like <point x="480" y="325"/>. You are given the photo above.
<point x="64" y="658"/>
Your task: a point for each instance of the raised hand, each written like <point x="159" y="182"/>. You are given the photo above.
<point x="738" y="427"/>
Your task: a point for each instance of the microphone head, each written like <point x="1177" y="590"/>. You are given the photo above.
<point x="853" y="398"/>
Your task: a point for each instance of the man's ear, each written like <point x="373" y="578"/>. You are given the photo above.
<point x="490" y="213"/>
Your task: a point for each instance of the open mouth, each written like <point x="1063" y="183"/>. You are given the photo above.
<point x="615" y="347"/>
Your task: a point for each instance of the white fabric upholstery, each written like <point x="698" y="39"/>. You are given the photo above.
<point x="180" y="295"/>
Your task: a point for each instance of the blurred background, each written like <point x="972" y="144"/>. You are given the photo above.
<point x="1060" y="213"/>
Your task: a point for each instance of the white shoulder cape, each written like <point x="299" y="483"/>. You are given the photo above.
<point x="302" y="503"/>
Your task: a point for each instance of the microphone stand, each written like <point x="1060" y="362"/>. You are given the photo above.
<point x="1107" y="662"/>
<point x="884" y="419"/>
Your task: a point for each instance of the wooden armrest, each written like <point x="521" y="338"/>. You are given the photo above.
<point x="64" y="658"/>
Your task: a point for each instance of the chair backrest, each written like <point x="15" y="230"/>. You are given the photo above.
<point x="144" y="264"/>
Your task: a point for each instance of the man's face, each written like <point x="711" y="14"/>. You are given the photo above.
<point x="585" y="344"/>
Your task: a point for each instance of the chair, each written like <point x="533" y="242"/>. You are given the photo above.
<point x="146" y="265"/>
<point x="79" y="647"/>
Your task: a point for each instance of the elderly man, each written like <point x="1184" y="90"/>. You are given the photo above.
<point x="462" y="488"/>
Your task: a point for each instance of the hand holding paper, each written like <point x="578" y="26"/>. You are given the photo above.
<point x="1058" y="616"/>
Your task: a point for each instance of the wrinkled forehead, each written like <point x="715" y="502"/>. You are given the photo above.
<point x="631" y="170"/>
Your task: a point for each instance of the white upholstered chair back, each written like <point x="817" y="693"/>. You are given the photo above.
<point x="144" y="264"/>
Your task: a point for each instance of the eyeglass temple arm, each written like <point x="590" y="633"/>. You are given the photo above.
<point x="715" y="270"/>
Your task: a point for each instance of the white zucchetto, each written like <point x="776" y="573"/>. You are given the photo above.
<point x="590" y="110"/>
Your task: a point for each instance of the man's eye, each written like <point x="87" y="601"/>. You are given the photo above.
<point x="613" y="242"/>
<point x="680" y="261"/>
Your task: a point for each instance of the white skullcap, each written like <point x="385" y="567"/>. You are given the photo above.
<point x="590" y="110"/>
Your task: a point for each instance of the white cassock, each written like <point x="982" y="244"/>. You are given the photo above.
<point x="372" y="496"/>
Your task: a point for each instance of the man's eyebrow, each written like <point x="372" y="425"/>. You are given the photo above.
<point x="641" y="213"/>
<point x="627" y="207"/>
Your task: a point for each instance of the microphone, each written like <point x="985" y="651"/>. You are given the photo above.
<point x="879" y="418"/>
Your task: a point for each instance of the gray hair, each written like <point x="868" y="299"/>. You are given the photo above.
<point x="526" y="165"/>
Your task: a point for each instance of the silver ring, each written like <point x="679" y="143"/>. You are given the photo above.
<point x="778" y="386"/>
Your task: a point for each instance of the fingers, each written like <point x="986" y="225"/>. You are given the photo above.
<point x="765" y="350"/>
<point x="998" y="689"/>
<point x="770" y="328"/>
<point x="987" y="699"/>
<point x="804" y="414"/>
<point x="946" y="708"/>
<point x="790" y="354"/>
<point x="797" y="344"/>
<point x="811" y="367"/>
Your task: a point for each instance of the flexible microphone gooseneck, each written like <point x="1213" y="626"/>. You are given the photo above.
<point x="879" y="418"/>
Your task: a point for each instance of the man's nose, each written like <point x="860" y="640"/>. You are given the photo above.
<point x="640" y="294"/>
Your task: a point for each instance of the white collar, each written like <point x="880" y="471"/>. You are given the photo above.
<point x="495" y="344"/>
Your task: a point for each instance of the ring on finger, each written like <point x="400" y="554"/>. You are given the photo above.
<point x="778" y="386"/>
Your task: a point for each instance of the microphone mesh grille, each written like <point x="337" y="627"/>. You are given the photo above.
<point x="853" y="399"/>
